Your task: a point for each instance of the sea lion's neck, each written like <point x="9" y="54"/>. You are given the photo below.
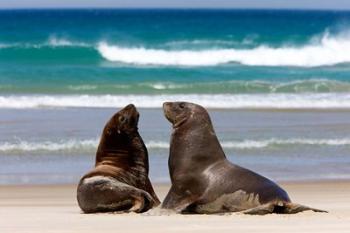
<point x="124" y="151"/>
<point x="194" y="147"/>
<point x="140" y="157"/>
<point x="113" y="149"/>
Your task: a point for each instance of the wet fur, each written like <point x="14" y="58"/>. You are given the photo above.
<point x="119" y="181"/>
<point x="204" y="181"/>
<point x="106" y="194"/>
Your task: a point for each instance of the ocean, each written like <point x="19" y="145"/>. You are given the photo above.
<point x="276" y="83"/>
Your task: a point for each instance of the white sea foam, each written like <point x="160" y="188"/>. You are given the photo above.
<point x="165" y="86"/>
<point x="52" y="41"/>
<point x="256" y="144"/>
<point x="157" y="145"/>
<point x="159" y="86"/>
<point x="82" y="87"/>
<point x="325" y="50"/>
<point x="250" y="144"/>
<point x="259" y="86"/>
<point x="58" y="42"/>
<point x="90" y="145"/>
<point x="71" y="145"/>
<point x="68" y="145"/>
<point x="224" y="101"/>
<point x="206" y="43"/>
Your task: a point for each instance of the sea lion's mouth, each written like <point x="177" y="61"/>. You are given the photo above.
<point x="167" y="111"/>
<point x="173" y="116"/>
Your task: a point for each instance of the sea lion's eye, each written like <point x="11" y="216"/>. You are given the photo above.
<point x="121" y="118"/>
<point x="182" y="105"/>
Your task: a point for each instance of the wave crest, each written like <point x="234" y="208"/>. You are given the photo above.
<point x="324" y="51"/>
<point x="49" y="146"/>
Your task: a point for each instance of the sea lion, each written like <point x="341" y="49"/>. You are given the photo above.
<point x="119" y="181"/>
<point x="204" y="181"/>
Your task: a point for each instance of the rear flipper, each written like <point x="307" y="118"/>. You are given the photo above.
<point x="280" y="208"/>
<point x="292" y="208"/>
<point x="106" y="194"/>
<point x="261" y="210"/>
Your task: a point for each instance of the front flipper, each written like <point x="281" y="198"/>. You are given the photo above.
<point x="178" y="201"/>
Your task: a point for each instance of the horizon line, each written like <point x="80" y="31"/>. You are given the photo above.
<point x="174" y="8"/>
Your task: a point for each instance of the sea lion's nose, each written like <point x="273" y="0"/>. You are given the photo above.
<point x="166" y="105"/>
<point x="130" y="106"/>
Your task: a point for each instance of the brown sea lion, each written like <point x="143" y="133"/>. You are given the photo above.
<point x="119" y="181"/>
<point x="204" y="181"/>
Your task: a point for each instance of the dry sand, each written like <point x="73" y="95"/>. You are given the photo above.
<point x="54" y="209"/>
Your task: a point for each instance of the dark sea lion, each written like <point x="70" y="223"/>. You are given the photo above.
<point x="204" y="181"/>
<point x="119" y="181"/>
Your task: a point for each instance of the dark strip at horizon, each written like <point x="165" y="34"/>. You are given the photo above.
<point x="173" y="9"/>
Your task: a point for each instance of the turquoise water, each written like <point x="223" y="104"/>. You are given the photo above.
<point x="277" y="84"/>
<point x="156" y="52"/>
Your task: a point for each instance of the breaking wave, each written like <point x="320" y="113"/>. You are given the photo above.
<point x="90" y="145"/>
<point x="224" y="101"/>
<point x="326" y="50"/>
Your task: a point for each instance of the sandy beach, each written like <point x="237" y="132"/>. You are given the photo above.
<point x="53" y="208"/>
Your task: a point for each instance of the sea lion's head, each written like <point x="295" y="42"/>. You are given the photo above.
<point x="117" y="134"/>
<point x="179" y="113"/>
<point x="123" y="122"/>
